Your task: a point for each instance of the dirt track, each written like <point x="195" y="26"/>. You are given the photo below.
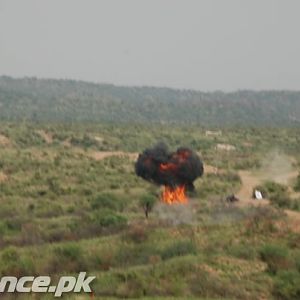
<point x="279" y="170"/>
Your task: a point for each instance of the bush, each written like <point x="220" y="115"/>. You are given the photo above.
<point x="48" y="210"/>
<point x="295" y="204"/>
<point x="277" y="193"/>
<point x="13" y="264"/>
<point x="296" y="258"/>
<point x="218" y="184"/>
<point x="70" y="251"/>
<point x="107" y="200"/>
<point x="14" y="224"/>
<point x="297" y="184"/>
<point x="282" y="200"/>
<point x="66" y="258"/>
<point x="3" y="228"/>
<point x="276" y="257"/>
<point x="85" y="141"/>
<point x="108" y="218"/>
<point x="287" y="285"/>
<point x="179" y="248"/>
<point x="242" y="251"/>
<point x="136" y="254"/>
<point x="133" y="285"/>
<point x="272" y="188"/>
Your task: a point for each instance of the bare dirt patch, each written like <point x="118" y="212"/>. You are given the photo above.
<point x="3" y="177"/>
<point x="4" y="141"/>
<point x="99" y="139"/>
<point x="249" y="181"/>
<point x="47" y="137"/>
<point x="67" y="143"/>
<point x="208" y="169"/>
<point x="99" y="155"/>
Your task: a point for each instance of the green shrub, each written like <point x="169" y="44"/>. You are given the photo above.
<point x="136" y="254"/>
<point x="13" y="264"/>
<point x="281" y="200"/>
<point x="66" y="258"/>
<point x="277" y="193"/>
<point x="242" y="251"/>
<point x="297" y="184"/>
<point x="48" y="209"/>
<point x="133" y="285"/>
<point x="85" y="141"/>
<point x="107" y="200"/>
<point x="69" y="251"/>
<point x="108" y="218"/>
<point x="54" y="185"/>
<point x="218" y="184"/>
<point x="295" y="204"/>
<point x="179" y="248"/>
<point x="296" y="258"/>
<point x="287" y="285"/>
<point x="276" y="257"/>
<point x="3" y="228"/>
<point x="272" y="188"/>
<point x="14" y="224"/>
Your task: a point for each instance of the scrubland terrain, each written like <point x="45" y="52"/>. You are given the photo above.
<point x="70" y="201"/>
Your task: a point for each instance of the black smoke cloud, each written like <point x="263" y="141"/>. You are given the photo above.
<point x="159" y="166"/>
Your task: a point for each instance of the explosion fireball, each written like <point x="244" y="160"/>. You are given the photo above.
<point x="175" y="170"/>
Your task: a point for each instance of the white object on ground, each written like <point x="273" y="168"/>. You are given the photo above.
<point x="258" y="195"/>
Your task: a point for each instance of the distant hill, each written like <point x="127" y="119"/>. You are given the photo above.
<point x="76" y="101"/>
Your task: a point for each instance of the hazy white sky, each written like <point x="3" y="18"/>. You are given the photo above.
<point x="200" y="44"/>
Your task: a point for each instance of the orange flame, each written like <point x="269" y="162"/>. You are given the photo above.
<point x="174" y="195"/>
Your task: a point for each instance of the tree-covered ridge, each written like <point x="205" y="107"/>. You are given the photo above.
<point x="68" y="100"/>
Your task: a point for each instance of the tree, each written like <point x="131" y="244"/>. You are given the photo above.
<point x="147" y="202"/>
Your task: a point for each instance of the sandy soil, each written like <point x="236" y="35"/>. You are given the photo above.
<point x="4" y="141"/>
<point x="99" y="155"/>
<point x="208" y="169"/>
<point x="3" y="177"/>
<point x="249" y="181"/>
<point x="47" y="137"/>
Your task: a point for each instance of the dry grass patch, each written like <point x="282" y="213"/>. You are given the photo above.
<point x="4" y="141"/>
<point x="100" y="155"/>
<point x="46" y="136"/>
<point x="3" y="177"/>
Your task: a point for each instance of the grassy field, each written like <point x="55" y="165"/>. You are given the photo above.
<point x="70" y="201"/>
